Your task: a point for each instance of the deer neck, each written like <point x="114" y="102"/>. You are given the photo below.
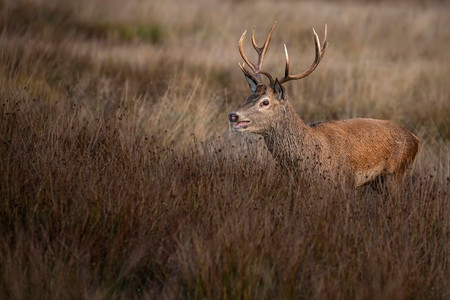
<point x="290" y="140"/>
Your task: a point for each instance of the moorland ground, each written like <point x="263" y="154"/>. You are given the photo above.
<point x="120" y="177"/>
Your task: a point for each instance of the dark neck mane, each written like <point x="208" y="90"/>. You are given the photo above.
<point x="292" y="142"/>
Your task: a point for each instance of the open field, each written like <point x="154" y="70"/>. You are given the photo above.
<point x="120" y="177"/>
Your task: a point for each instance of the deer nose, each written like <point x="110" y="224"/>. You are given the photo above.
<point x="233" y="117"/>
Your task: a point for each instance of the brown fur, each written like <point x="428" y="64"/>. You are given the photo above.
<point x="354" y="150"/>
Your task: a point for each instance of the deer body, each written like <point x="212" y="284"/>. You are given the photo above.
<point x="353" y="150"/>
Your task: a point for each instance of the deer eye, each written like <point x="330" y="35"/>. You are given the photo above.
<point x="265" y="102"/>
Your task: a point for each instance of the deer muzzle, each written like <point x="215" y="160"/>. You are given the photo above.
<point x="239" y="124"/>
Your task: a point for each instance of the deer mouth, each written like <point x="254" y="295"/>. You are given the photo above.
<point x="241" y="125"/>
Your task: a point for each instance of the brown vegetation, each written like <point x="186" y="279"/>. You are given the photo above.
<point x="119" y="177"/>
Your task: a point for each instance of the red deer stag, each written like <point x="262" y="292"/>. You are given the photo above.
<point x="359" y="150"/>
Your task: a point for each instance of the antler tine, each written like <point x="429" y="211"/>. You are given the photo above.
<point x="262" y="50"/>
<point x="286" y="69"/>
<point x="241" y="51"/>
<point x="319" y="55"/>
<point x="256" y="68"/>
<point x="247" y="72"/>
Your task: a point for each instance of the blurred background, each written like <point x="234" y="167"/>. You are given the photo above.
<point x="179" y="59"/>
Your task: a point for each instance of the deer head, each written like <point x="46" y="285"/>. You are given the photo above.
<point x="268" y="102"/>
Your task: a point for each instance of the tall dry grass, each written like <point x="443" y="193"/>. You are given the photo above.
<point x="120" y="178"/>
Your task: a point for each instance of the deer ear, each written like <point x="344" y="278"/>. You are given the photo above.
<point x="279" y="90"/>
<point x="251" y="83"/>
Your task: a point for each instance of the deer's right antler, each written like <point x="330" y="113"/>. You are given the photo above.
<point x="320" y="51"/>
<point x="256" y="68"/>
